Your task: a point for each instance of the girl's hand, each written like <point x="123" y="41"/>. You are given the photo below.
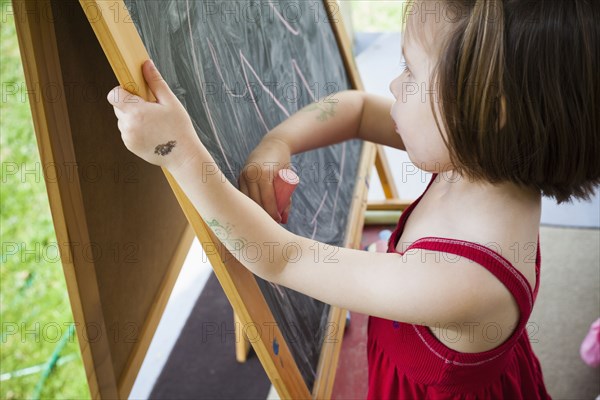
<point x="256" y="179"/>
<point x="161" y="133"/>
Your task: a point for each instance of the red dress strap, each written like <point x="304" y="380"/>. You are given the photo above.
<point x="505" y="272"/>
<point x="404" y="216"/>
<point x="500" y="267"/>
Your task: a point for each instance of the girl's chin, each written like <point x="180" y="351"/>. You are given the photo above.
<point x="430" y="166"/>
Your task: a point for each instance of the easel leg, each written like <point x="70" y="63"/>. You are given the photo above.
<point x="385" y="174"/>
<point x="392" y="200"/>
<point x="242" y="344"/>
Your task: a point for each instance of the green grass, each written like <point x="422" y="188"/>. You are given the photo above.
<point x="377" y="15"/>
<point x="34" y="306"/>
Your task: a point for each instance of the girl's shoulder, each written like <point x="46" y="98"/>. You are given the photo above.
<point x="503" y="218"/>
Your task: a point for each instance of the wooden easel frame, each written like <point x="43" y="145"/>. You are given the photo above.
<point x="111" y="360"/>
<point x="125" y="52"/>
<point x="392" y="200"/>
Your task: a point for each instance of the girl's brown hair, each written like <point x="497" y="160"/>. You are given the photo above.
<point x="519" y="93"/>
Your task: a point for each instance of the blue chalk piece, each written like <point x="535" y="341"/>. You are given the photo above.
<point x="275" y="347"/>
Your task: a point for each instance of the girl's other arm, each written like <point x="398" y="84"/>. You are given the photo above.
<point x="345" y="115"/>
<point x="349" y="114"/>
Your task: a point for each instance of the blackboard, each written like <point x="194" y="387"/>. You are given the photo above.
<point x="240" y="68"/>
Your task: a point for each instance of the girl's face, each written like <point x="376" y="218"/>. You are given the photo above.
<point x="414" y="92"/>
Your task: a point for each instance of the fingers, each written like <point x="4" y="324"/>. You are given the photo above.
<point x="119" y="113"/>
<point x="122" y="99"/>
<point x="242" y="185"/>
<point x="262" y="192"/>
<point x="254" y="193"/>
<point x="267" y="194"/>
<point x="156" y="83"/>
<point x="286" y="213"/>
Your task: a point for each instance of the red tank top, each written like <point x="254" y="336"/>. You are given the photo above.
<point x="407" y="361"/>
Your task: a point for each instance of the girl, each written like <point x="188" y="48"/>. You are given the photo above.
<point x="506" y="111"/>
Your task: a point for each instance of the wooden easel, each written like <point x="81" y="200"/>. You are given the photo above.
<point x="55" y="54"/>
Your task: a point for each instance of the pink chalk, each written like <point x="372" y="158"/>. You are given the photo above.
<point x="285" y="183"/>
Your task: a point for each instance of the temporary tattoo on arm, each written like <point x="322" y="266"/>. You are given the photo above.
<point x="224" y="234"/>
<point x="164" y="149"/>
<point x="326" y="110"/>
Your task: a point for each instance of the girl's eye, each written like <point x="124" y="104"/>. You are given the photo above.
<point x="404" y="68"/>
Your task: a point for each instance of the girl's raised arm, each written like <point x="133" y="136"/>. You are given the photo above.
<point x="342" y="116"/>
<point x="349" y="114"/>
